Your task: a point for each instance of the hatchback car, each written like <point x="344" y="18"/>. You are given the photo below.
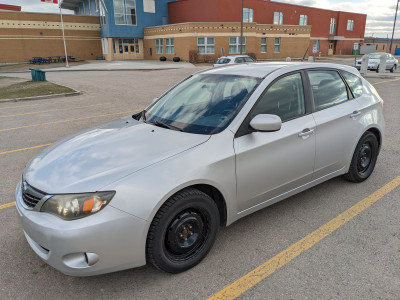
<point x="233" y="59"/>
<point x="156" y="186"/>
<point x="375" y="60"/>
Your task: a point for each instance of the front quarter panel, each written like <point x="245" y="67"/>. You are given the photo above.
<point x="143" y="193"/>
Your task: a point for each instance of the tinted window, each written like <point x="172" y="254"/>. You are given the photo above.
<point x="328" y="88"/>
<point x="239" y="60"/>
<point x="354" y="82"/>
<point x="284" y="98"/>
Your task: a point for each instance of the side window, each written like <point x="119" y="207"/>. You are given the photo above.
<point x="354" y="82"/>
<point x="285" y="98"/>
<point x="328" y="88"/>
<point x="239" y="60"/>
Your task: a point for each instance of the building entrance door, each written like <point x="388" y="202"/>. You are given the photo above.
<point x="331" y="48"/>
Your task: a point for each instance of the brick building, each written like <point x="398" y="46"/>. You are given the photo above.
<point x="6" y="7"/>
<point x="332" y="32"/>
<point x="25" y="35"/>
<point x="212" y="40"/>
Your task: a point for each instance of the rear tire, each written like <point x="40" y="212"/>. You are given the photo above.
<point x="183" y="231"/>
<point x="364" y="158"/>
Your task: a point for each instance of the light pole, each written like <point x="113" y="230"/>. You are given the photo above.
<point x="394" y="25"/>
<point x="62" y="29"/>
<point x="241" y="30"/>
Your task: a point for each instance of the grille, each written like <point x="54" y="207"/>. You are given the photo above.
<point x="30" y="195"/>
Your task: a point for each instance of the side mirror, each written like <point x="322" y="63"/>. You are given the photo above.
<point x="265" y="123"/>
<point x="154" y="100"/>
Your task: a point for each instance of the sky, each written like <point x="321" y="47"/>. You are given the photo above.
<point x="380" y="14"/>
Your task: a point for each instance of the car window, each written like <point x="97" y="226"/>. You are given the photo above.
<point x="248" y="59"/>
<point x="223" y="61"/>
<point x="239" y="60"/>
<point x="203" y="103"/>
<point x="328" y="88"/>
<point x="285" y="98"/>
<point x="354" y="82"/>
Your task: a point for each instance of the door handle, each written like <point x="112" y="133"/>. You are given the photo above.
<point x="355" y="114"/>
<point x="306" y="132"/>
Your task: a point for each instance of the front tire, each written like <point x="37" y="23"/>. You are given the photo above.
<point x="393" y="69"/>
<point x="183" y="231"/>
<point x="364" y="158"/>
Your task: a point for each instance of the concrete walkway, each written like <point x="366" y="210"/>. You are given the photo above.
<point x="104" y="65"/>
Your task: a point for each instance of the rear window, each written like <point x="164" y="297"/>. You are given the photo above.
<point x="248" y="59"/>
<point x="223" y="61"/>
<point x="354" y="82"/>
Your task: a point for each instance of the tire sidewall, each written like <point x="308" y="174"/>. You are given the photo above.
<point x="199" y="202"/>
<point x="368" y="136"/>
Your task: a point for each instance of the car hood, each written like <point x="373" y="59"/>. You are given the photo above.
<point x="89" y="160"/>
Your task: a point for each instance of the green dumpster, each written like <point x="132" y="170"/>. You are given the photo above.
<point x="38" y="75"/>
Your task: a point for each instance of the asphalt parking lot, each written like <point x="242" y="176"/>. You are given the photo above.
<point x="358" y="260"/>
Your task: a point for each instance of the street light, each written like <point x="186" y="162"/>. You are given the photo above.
<point x="394" y="25"/>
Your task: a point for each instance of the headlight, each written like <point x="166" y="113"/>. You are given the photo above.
<point x="76" y="206"/>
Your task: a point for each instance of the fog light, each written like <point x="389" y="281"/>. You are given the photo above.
<point x="80" y="260"/>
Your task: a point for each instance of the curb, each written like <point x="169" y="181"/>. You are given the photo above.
<point x="76" y="93"/>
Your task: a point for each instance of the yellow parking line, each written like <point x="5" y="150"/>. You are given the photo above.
<point x="70" y="120"/>
<point x="50" y="110"/>
<point x="278" y="261"/>
<point x="385" y="81"/>
<point x="23" y="149"/>
<point x="6" y="205"/>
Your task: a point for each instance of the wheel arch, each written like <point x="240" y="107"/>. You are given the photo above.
<point x="377" y="133"/>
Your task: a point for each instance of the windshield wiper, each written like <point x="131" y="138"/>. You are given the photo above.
<point x="163" y="125"/>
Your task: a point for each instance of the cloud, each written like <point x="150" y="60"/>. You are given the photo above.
<point x="382" y="10"/>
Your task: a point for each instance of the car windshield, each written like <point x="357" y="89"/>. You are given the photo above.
<point x="375" y="56"/>
<point x="202" y="104"/>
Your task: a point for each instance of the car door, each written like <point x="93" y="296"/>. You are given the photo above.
<point x="336" y="114"/>
<point x="389" y="61"/>
<point x="269" y="164"/>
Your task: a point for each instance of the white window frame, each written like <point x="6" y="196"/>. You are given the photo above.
<point x="278" y="18"/>
<point x="303" y="20"/>
<point x="248" y="15"/>
<point x="126" y="17"/>
<point x="169" y="46"/>
<point x="236" y="45"/>
<point x="264" y="44"/>
<point x="350" y="25"/>
<point x="206" y="45"/>
<point x="103" y="20"/>
<point x="332" y="26"/>
<point x="277" y="43"/>
<point x="159" y="46"/>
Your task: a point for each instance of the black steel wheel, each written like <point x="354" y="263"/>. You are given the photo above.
<point x="183" y="231"/>
<point x="364" y="158"/>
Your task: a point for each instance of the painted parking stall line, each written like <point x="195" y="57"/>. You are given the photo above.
<point x="69" y="120"/>
<point x="3" y="206"/>
<point x="24" y="149"/>
<point x="254" y="277"/>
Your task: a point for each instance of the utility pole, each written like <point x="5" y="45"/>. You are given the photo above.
<point x="394" y="25"/>
<point x="241" y="30"/>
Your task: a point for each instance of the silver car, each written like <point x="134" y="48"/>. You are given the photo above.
<point x="223" y="143"/>
<point x="374" y="60"/>
<point x="233" y="59"/>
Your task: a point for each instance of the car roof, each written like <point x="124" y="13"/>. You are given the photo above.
<point x="235" y="56"/>
<point x="263" y="69"/>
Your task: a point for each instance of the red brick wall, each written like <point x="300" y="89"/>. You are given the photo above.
<point x="229" y="11"/>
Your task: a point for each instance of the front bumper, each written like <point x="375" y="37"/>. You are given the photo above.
<point x="108" y="241"/>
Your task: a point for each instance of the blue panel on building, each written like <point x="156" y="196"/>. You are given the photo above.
<point x="110" y="29"/>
